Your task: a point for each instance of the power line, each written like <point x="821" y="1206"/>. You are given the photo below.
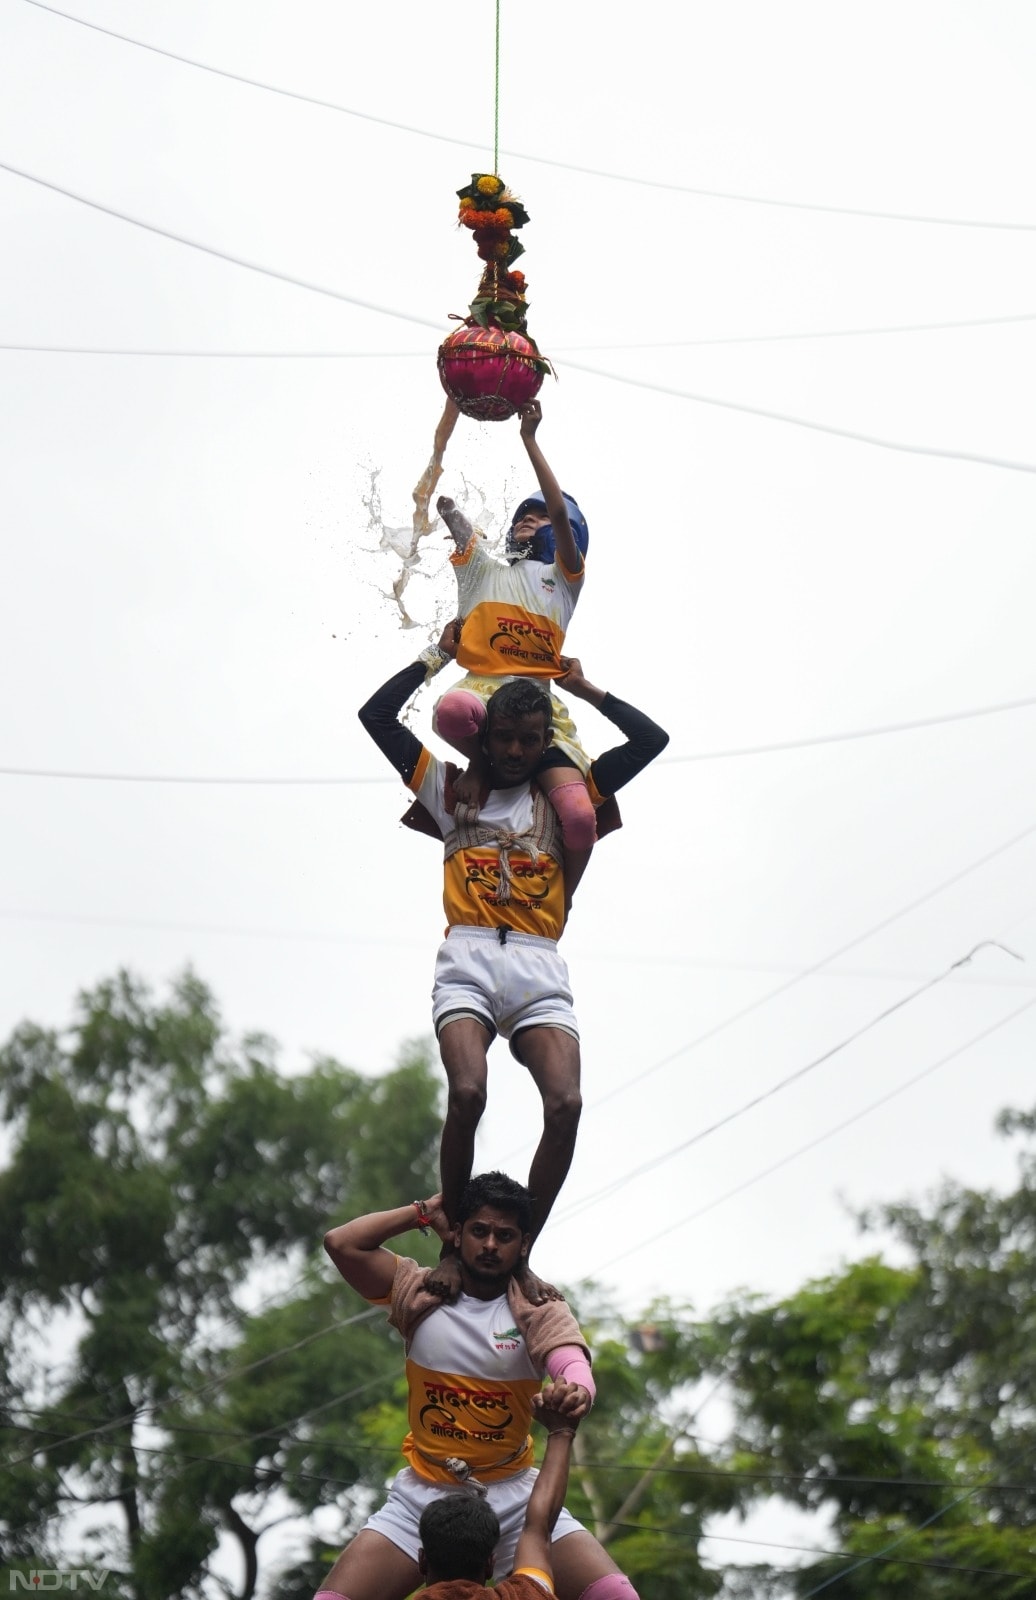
<point x="974" y="457"/>
<point x="880" y="1555"/>
<point x="205" y="1388"/>
<point x="822" y="1138"/>
<point x="212" y="250"/>
<point x="853" y="434"/>
<point x="327" y="936"/>
<point x="563" y="349"/>
<point x="654" y="1162"/>
<point x="817" y="966"/>
<point x="564" y="166"/>
<point x="730" y="753"/>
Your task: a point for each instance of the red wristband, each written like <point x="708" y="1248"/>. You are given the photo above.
<point x="424" y="1221"/>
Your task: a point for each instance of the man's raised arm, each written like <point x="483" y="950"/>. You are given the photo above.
<point x="356" y="1247"/>
<point x="644" y="739"/>
<point x="548" y="1494"/>
<point x="380" y="714"/>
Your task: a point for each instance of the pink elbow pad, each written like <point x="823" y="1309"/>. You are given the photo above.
<point x="568" y="1364"/>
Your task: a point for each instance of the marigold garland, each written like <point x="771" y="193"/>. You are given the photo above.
<point x="492" y="212"/>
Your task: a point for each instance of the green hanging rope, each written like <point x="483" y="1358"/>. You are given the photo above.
<point x="496" y="97"/>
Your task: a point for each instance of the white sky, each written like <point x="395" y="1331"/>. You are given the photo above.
<point x="192" y="586"/>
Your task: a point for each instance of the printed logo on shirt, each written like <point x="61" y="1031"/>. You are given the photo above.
<point x="548" y="583"/>
<point x="463" y="1412"/>
<point x="530" y="881"/>
<point x="509" y="1339"/>
<point x="519" y="637"/>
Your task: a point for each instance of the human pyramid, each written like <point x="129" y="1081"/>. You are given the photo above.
<point x="481" y="1330"/>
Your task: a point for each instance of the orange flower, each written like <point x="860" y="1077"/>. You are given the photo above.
<point x="503" y="218"/>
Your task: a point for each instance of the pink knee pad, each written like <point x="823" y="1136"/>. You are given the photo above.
<point x="614" y="1586"/>
<point x="575" y="812"/>
<point x="459" y="715"/>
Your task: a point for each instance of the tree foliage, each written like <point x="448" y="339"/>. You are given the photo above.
<point x="901" y="1400"/>
<point x="160" y="1178"/>
<point x="178" y="1360"/>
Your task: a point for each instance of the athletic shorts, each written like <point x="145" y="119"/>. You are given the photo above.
<point x="399" y="1517"/>
<point x="522" y="983"/>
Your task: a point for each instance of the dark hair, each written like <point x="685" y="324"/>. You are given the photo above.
<point x="517" y="699"/>
<point x="458" y="1534"/>
<point x="498" y="1190"/>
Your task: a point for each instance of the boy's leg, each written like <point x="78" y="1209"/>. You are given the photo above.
<point x="460" y="719"/>
<point x="566" y="790"/>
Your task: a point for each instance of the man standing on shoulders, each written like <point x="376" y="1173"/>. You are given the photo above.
<point x="474" y="1370"/>
<point x="499" y="969"/>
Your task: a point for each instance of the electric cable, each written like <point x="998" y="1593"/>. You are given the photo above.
<point x="817" y="966"/>
<point x="315" y="936"/>
<point x="654" y="1162"/>
<point x="822" y="1138"/>
<point x="730" y="753"/>
<point x="546" y="161"/>
<point x="213" y="250"/>
<point x="901" y="1539"/>
<point x="974" y="458"/>
<point x="562" y="349"/>
<point x="642" y="1469"/>
<point x="158" y="1406"/>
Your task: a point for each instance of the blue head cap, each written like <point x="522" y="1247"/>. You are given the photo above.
<point x="541" y="547"/>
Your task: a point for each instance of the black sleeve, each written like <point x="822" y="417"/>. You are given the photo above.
<point x="380" y="717"/>
<point x="644" y="741"/>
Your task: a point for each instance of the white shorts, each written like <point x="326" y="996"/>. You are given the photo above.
<point x="522" y="983"/>
<point x="398" y="1519"/>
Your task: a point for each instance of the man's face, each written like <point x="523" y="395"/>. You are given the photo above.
<point x="491" y="1244"/>
<point x="515" y="745"/>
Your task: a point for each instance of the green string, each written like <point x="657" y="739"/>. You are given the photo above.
<point x="496" y="99"/>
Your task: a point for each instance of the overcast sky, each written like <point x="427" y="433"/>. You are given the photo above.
<point x="193" y="583"/>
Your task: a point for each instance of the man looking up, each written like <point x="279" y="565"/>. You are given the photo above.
<point x="473" y="1372"/>
<point x="499" y="970"/>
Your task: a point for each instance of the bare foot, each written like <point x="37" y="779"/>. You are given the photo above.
<point x="535" y="1289"/>
<point x="444" y="1279"/>
<point x="454" y="519"/>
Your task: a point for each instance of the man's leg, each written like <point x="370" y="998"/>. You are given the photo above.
<point x="462" y="1045"/>
<point x="552" y="1058"/>
<point x="583" y="1567"/>
<point x="371" y="1567"/>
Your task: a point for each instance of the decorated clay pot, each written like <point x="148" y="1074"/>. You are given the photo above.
<point x="489" y="373"/>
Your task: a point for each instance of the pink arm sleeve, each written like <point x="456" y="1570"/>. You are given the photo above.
<point x="568" y="1364"/>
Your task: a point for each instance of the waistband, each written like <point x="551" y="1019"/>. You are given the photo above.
<point x="502" y="935"/>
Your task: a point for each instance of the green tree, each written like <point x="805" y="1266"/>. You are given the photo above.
<point x="160" y="1178"/>
<point x="901" y="1401"/>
